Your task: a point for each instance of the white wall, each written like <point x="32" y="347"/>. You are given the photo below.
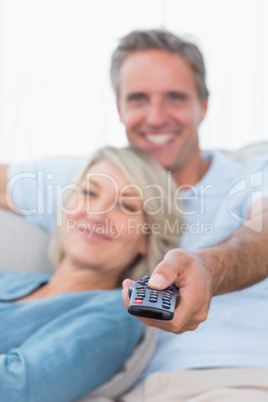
<point x="55" y="94"/>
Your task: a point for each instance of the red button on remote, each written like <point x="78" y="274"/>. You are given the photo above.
<point x="138" y="301"/>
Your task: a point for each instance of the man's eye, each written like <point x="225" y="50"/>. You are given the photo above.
<point x="136" y="97"/>
<point x="179" y="96"/>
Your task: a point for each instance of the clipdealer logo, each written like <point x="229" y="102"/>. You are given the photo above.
<point x="49" y="194"/>
<point x="157" y="200"/>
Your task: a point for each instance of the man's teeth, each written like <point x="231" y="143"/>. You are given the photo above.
<point x="159" y="139"/>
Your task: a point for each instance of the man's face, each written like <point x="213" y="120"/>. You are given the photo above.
<point x="160" y="107"/>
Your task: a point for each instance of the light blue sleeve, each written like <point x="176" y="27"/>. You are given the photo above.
<point x="37" y="187"/>
<point x="260" y="178"/>
<point x="255" y="182"/>
<point x="70" y="357"/>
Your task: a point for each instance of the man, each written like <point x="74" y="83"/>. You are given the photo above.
<point x="162" y="98"/>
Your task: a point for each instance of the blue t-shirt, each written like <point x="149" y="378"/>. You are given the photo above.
<point x="62" y="347"/>
<point x="236" y="330"/>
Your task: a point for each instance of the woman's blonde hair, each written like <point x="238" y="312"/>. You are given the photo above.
<point x="161" y="206"/>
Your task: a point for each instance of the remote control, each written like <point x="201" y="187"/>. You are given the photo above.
<point x="151" y="303"/>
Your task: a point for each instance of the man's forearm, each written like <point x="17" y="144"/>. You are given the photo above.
<point x="241" y="260"/>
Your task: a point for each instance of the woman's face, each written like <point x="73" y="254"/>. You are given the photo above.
<point x="105" y="226"/>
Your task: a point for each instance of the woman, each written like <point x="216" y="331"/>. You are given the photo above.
<point x="64" y="335"/>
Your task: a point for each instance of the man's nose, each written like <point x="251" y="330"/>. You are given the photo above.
<point x="156" y="114"/>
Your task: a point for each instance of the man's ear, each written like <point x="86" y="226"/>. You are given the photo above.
<point x="118" y="109"/>
<point x="203" y="109"/>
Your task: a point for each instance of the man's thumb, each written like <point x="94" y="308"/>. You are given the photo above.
<point x="166" y="271"/>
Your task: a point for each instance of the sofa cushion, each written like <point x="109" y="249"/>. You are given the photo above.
<point x="23" y="245"/>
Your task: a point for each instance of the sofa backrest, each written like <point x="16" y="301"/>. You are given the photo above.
<point x="23" y="246"/>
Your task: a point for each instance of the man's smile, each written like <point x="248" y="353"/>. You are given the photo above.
<point x="159" y="138"/>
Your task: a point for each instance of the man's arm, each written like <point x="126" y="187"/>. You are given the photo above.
<point x="242" y="259"/>
<point x="5" y="197"/>
<point x="236" y="263"/>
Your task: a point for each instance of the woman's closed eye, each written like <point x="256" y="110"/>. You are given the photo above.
<point x="129" y="207"/>
<point x="89" y="193"/>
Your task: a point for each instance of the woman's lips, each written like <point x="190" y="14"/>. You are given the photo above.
<point x="93" y="236"/>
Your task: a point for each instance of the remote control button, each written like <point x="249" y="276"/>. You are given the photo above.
<point x="167" y="296"/>
<point x="138" y="301"/>
<point x="166" y="301"/>
<point x="153" y="300"/>
<point x="170" y="291"/>
<point x="166" y="306"/>
<point x="142" y="280"/>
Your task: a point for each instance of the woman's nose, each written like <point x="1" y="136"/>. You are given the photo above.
<point x="100" y="207"/>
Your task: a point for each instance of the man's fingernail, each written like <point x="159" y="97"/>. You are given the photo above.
<point x="157" y="281"/>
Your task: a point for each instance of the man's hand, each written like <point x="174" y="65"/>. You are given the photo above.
<point x="187" y="271"/>
<point x="234" y="264"/>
